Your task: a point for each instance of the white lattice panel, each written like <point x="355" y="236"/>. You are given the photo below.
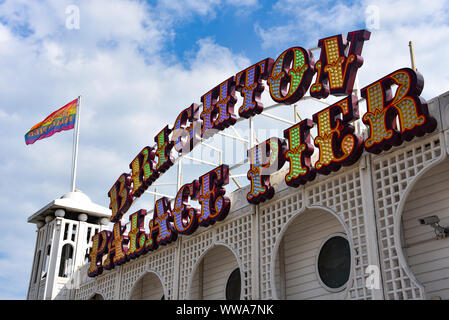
<point x="192" y="249"/>
<point x="340" y="193"/>
<point x="161" y="261"/>
<point x="87" y="289"/>
<point x="104" y="285"/>
<point x="237" y="234"/>
<point x="392" y="173"/>
<point x="343" y="195"/>
<point x="272" y="218"/>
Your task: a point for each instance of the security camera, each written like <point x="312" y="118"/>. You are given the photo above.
<point x="433" y="221"/>
<point x="429" y="220"/>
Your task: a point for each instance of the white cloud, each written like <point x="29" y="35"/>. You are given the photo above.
<point x="426" y="23"/>
<point x="306" y="22"/>
<point x="130" y="90"/>
<point x="245" y="3"/>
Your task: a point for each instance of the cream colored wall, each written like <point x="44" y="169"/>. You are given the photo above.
<point x="427" y="257"/>
<point x="298" y="254"/>
<point x="149" y="287"/>
<point x="211" y="275"/>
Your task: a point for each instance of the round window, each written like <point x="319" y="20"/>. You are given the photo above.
<point x="233" y="285"/>
<point x="334" y="262"/>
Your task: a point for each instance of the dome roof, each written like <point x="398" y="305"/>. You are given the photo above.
<point x="78" y="196"/>
<point x="75" y="201"/>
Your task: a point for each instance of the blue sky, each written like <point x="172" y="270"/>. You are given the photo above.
<point x="238" y="27"/>
<point x="138" y="63"/>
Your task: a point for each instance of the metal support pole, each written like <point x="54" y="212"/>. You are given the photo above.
<point x="155" y="193"/>
<point x="179" y="178"/>
<point x="255" y="231"/>
<point x="412" y="55"/>
<point x="315" y="99"/>
<point x="201" y="161"/>
<point x="251" y="133"/>
<point x="295" y="113"/>
<point x="178" y="249"/>
<point x="277" y="118"/>
<point x="75" y="145"/>
<point x="232" y="137"/>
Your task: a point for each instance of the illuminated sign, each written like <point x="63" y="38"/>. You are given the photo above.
<point x="391" y="118"/>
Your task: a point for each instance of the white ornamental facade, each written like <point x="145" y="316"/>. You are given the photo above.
<point x="373" y="230"/>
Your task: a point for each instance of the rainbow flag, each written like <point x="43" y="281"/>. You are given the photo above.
<point x="62" y="119"/>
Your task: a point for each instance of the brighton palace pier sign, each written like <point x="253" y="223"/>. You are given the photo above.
<point x="391" y="120"/>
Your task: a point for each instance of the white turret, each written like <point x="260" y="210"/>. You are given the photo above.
<point x="65" y="228"/>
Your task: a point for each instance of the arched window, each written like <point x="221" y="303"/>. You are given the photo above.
<point x="86" y="256"/>
<point x="47" y="261"/>
<point x="97" y="296"/>
<point x="216" y="276"/>
<point x="233" y="285"/>
<point x="148" y="287"/>
<point x="65" y="266"/>
<point x="334" y="262"/>
<point x="36" y="270"/>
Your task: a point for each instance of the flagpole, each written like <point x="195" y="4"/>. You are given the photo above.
<point x="75" y="150"/>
